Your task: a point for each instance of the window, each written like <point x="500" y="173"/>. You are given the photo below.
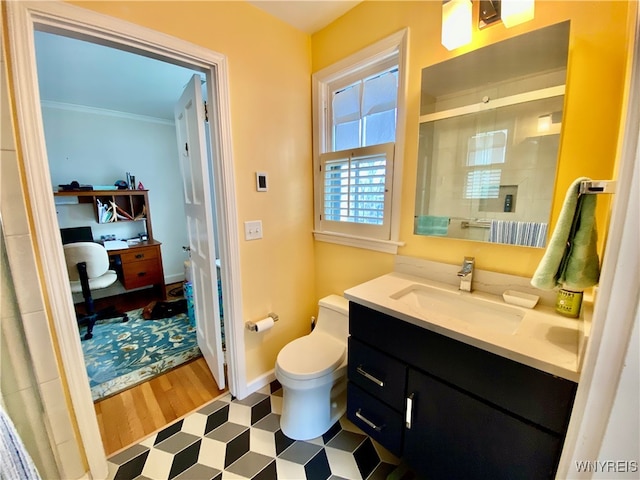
<point x="364" y="113"/>
<point x="483" y="184"/>
<point x="485" y="149"/>
<point x="356" y="110"/>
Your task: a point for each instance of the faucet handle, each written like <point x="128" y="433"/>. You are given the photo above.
<point x="467" y="266"/>
<point x="466" y="273"/>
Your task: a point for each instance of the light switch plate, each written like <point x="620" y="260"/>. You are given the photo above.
<point x="253" y="230"/>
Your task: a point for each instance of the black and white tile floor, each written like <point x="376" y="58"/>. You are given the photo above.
<point x="241" y="439"/>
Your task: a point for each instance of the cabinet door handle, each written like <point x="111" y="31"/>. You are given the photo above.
<point x="367" y="421"/>
<point x="368" y="376"/>
<point x="409" y="414"/>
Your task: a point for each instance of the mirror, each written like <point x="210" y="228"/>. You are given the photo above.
<point x="490" y="124"/>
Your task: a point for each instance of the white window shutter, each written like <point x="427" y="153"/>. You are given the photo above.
<point x="355" y="187"/>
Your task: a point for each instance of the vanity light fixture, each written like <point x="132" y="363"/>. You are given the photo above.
<point x="511" y="12"/>
<point x="488" y="13"/>
<point x="456" y="23"/>
<point x="515" y="12"/>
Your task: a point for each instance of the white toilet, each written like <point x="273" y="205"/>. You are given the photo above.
<point x="313" y="373"/>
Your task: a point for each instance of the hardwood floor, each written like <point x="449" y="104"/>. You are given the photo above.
<point x="133" y="414"/>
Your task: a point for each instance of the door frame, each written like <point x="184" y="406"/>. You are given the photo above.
<point x="23" y="19"/>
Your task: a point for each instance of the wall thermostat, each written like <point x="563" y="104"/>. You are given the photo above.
<point x="261" y="181"/>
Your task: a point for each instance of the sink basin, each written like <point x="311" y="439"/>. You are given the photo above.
<point x="431" y="301"/>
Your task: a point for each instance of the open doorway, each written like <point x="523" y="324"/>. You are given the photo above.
<point x="68" y="20"/>
<point x="108" y="113"/>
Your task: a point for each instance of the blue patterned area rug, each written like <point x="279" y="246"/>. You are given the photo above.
<point x="121" y="355"/>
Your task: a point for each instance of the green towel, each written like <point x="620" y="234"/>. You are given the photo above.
<point x="571" y="259"/>
<point x="432" y="225"/>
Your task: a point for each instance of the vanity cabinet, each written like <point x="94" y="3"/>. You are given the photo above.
<point x="463" y="412"/>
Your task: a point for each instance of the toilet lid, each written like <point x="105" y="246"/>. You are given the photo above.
<point x="311" y="356"/>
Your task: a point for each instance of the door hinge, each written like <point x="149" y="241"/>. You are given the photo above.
<point x="206" y="112"/>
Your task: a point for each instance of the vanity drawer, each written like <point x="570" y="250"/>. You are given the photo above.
<point x="380" y="375"/>
<point x="376" y="419"/>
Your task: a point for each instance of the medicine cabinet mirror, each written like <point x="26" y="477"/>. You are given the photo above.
<point x="490" y="123"/>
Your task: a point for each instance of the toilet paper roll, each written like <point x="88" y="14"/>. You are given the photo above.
<point x="264" y="324"/>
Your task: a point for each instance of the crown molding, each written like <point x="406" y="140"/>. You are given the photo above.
<point x="104" y="111"/>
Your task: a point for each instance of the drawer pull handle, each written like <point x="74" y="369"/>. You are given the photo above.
<point x="368" y="376"/>
<point x="142" y="274"/>
<point x="140" y="255"/>
<point x="409" y="413"/>
<point x="367" y="421"/>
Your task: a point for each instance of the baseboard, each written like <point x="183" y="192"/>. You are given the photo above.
<point x="260" y="382"/>
<point x="175" y="278"/>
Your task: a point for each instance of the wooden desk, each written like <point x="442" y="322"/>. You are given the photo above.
<point x="139" y="266"/>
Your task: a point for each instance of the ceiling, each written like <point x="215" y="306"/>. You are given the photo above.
<point x="306" y="15"/>
<point x="76" y="72"/>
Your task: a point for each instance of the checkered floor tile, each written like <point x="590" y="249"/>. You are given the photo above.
<point x="241" y="439"/>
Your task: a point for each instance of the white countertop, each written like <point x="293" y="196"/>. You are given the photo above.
<point x="544" y="339"/>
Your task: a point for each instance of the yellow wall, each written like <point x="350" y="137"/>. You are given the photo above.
<point x="269" y="76"/>
<point x="269" y="73"/>
<point x="597" y="60"/>
<point x="269" y="66"/>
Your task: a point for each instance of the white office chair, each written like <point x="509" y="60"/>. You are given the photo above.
<point x="88" y="268"/>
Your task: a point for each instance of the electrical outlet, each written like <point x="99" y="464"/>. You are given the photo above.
<point x="253" y="230"/>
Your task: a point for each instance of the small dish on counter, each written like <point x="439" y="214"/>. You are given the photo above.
<point x="521" y="299"/>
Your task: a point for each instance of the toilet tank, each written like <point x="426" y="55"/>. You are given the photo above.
<point x="333" y="317"/>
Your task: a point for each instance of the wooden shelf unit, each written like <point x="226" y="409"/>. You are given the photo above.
<point x="133" y="202"/>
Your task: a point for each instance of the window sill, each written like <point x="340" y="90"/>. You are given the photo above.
<point x="385" y="246"/>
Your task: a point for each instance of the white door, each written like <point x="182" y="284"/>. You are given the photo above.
<point x="190" y="132"/>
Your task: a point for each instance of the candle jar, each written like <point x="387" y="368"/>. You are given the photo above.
<point x="568" y="303"/>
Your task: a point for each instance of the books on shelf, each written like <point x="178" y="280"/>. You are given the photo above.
<point x="105" y="214"/>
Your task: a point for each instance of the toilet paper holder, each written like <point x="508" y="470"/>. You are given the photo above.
<point x="252" y="326"/>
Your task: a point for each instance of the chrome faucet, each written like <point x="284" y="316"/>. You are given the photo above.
<point x="466" y="273"/>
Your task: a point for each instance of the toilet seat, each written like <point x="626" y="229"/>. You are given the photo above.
<point x="311" y="356"/>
